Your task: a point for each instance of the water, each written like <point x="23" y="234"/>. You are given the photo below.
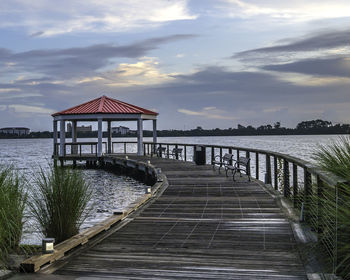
<point x="111" y="192"/>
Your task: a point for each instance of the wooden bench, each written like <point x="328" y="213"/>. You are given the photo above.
<point x="222" y="161"/>
<point x="177" y="153"/>
<point x="241" y="165"/>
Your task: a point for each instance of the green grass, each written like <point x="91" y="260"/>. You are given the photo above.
<point x="59" y="202"/>
<point x="335" y="159"/>
<point x="13" y="199"/>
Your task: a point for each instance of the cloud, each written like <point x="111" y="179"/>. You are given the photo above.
<point x="337" y="67"/>
<point x="77" y="62"/>
<point x="42" y="18"/>
<point x="287" y="11"/>
<point x="208" y="112"/>
<point x="334" y="42"/>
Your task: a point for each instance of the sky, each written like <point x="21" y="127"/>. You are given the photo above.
<point x="208" y="63"/>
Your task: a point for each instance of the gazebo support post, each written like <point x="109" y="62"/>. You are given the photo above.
<point x="55" y="142"/>
<point x="109" y="132"/>
<point x="62" y="137"/>
<point x="74" y="148"/>
<point x="140" y="137"/>
<point x="154" y="136"/>
<point x="99" y="143"/>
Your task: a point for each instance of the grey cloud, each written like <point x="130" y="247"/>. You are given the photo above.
<point x="337" y="67"/>
<point x="78" y="62"/>
<point x="313" y="42"/>
<point x="37" y="34"/>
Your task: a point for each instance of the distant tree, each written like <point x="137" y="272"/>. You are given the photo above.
<point x="314" y="124"/>
<point x="239" y="126"/>
<point x="199" y="128"/>
<point x="277" y="125"/>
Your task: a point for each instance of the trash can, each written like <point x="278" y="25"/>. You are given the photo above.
<point x="199" y="155"/>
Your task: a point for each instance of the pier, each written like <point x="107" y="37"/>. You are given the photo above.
<point x="194" y="222"/>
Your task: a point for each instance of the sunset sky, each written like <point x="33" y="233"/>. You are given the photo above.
<point x="196" y="62"/>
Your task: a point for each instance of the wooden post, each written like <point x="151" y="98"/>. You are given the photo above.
<point x="176" y="153"/>
<point x="212" y="154"/>
<point x="247" y="154"/>
<point x="230" y="152"/>
<point x="307" y="193"/>
<point x="286" y="181"/>
<point x="185" y="152"/>
<point x="275" y="171"/>
<point x="99" y="143"/>
<point x="140" y="137"/>
<point x="295" y="185"/>
<point x="109" y="136"/>
<point x="62" y="137"/>
<point x="220" y="156"/>
<point x="320" y="202"/>
<point x="257" y="165"/>
<point x="124" y="147"/>
<point x="154" y="135"/>
<point x="268" y="169"/>
<point x="74" y="148"/>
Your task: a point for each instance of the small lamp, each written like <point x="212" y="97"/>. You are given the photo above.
<point x="148" y="162"/>
<point x="126" y="157"/>
<point x="148" y="190"/>
<point x="47" y="245"/>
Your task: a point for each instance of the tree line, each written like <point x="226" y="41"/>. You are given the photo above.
<point x="303" y="128"/>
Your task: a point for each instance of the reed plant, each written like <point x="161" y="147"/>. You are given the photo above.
<point x="59" y="202"/>
<point x="334" y="158"/>
<point x="13" y="199"/>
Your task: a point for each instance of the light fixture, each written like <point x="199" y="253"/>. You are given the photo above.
<point x="47" y="245"/>
<point x="148" y="162"/>
<point x="148" y="190"/>
<point x="126" y="157"/>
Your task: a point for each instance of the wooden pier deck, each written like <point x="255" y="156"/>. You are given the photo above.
<point x="203" y="226"/>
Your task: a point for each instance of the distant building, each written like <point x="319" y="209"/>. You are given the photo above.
<point x="82" y="128"/>
<point x="15" y="130"/>
<point x="121" y="130"/>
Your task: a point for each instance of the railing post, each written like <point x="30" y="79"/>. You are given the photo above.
<point x="307" y="193"/>
<point x="167" y="151"/>
<point x="268" y="169"/>
<point x="247" y="154"/>
<point x="286" y="181"/>
<point x="275" y="171"/>
<point x="80" y="148"/>
<point x="176" y="153"/>
<point x="319" y="205"/>
<point x="230" y="152"/>
<point x="257" y="165"/>
<point x="295" y="185"/>
<point x="124" y="147"/>
<point x="185" y="152"/>
<point x="212" y="154"/>
<point x="220" y="156"/>
<point x="160" y="151"/>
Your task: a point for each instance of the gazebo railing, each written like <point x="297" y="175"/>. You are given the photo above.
<point x="80" y="148"/>
<point x="297" y="180"/>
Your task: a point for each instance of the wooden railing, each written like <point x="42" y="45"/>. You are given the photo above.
<point x="297" y="180"/>
<point x="77" y="148"/>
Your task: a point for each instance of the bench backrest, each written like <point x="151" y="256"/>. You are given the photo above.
<point x="227" y="157"/>
<point x="243" y="161"/>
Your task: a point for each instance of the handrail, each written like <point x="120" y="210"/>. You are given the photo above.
<point x="297" y="180"/>
<point x="76" y="147"/>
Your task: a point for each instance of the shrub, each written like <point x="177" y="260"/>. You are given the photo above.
<point x="335" y="159"/>
<point x="59" y="202"/>
<point x="13" y="199"/>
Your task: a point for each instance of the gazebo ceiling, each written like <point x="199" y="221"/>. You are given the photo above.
<point x="105" y="105"/>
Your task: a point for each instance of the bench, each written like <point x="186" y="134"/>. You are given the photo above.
<point x="177" y="153"/>
<point x="241" y="165"/>
<point x="222" y="161"/>
<point x="160" y="151"/>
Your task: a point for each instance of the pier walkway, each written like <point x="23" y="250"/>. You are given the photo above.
<point x="203" y="226"/>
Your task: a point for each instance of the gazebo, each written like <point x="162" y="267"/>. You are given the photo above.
<point x="102" y="109"/>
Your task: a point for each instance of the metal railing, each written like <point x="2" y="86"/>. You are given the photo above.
<point x="299" y="181"/>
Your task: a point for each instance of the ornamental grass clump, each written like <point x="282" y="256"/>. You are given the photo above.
<point x="335" y="159"/>
<point x="13" y="199"/>
<point x="59" y="202"/>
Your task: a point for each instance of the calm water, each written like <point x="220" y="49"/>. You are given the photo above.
<point x="112" y="192"/>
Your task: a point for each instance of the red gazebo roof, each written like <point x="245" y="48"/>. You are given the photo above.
<point x="105" y="105"/>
